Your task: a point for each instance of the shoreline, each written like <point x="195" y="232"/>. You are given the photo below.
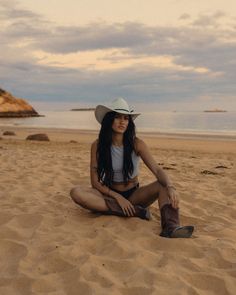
<point x="177" y="135"/>
<point x="156" y="141"/>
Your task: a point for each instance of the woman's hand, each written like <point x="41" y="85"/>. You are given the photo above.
<point x="126" y="206"/>
<point x="173" y="197"/>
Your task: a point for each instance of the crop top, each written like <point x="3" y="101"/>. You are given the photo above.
<point x="117" y="153"/>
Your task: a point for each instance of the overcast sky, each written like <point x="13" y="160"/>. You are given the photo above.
<point x="180" y="53"/>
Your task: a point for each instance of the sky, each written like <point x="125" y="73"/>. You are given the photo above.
<point x="177" y="54"/>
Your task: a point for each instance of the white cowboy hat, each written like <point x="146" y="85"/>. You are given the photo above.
<point x="118" y="105"/>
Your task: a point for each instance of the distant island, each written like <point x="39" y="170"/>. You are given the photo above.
<point x="83" y="109"/>
<point x="12" y="107"/>
<point x="215" y="111"/>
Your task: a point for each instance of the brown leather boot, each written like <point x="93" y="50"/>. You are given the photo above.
<point x="115" y="209"/>
<point x="171" y="225"/>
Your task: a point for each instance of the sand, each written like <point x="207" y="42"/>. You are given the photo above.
<point x="49" y="245"/>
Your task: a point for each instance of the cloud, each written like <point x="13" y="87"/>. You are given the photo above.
<point x="163" y="63"/>
<point x="9" y="10"/>
<point x="185" y="16"/>
<point x="206" y="20"/>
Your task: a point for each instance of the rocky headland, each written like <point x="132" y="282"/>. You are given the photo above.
<point x="12" y="107"/>
<point x="215" y="111"/>
<point x="83" y="109"/>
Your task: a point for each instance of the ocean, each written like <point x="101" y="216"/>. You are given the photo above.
<point x="187" y="122"/>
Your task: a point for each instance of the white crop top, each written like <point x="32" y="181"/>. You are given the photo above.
<point x="117" y="153"/>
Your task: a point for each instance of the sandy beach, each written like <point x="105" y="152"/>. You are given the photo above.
<point x="51" y="246"/>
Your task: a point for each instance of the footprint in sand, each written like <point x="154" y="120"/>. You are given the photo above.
<point x="5" y="218"/>
<point x="25" y="224"/>
<point x="11" y="255"/>
<point x="53" y="262"/>
<point x="209" y="283"/>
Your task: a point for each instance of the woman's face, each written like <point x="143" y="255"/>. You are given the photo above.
<point x="120" y="123"/>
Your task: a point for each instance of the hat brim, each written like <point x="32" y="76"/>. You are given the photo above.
<point x="101" y="111"/>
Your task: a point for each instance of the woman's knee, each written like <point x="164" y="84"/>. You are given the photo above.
<point x="76" y="194"/>
<point x="158" y="186"/>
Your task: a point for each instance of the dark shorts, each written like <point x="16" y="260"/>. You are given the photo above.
<point x="128" y="193"/>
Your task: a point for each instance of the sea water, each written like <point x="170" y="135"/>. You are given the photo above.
<point x="192" y="122"/>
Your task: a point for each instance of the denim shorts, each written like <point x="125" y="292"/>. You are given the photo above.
<point x="128" y="193"/>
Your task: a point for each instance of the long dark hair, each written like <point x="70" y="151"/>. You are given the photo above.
<point x="105" y="171"/>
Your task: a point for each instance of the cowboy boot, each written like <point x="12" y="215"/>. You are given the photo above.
<point x="115" y="209"/>
<point x="171" y="225"/>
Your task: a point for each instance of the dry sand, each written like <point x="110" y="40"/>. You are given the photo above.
<point x="49" y="245"/>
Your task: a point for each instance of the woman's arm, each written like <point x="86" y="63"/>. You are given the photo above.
<point x="93" y="171"/>
<point x="160" y="174"/>
<point x="143" y="151"/>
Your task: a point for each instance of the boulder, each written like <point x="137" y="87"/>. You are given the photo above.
<point x="39" y="136"/>
<point x="8" y="133"/>
<point x="11" y="106"/>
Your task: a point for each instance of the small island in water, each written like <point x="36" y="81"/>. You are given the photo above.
<point x="83" y="109"/>
<point x="215" y="111"/>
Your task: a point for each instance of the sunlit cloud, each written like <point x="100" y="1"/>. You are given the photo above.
<point x="111" y="60"/>
<point x="194" y="59"/>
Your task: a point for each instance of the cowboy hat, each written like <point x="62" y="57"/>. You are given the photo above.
<point x="118" y="105"/>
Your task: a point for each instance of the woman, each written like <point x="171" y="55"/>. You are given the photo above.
<point x="114" y="171"/>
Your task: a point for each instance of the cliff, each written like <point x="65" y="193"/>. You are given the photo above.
<point x="14" y="107"/>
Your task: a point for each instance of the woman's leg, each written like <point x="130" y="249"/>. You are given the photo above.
<point x="170" y="221"/>
<point x="88" y="198"/>
<point x="93" y="200"/>
<point x="146" y="195"/>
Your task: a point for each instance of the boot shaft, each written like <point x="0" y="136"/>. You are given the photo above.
<point x="169" y="218"/>
<point x="171" y="224"/>
<point x="115" y="209"/>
